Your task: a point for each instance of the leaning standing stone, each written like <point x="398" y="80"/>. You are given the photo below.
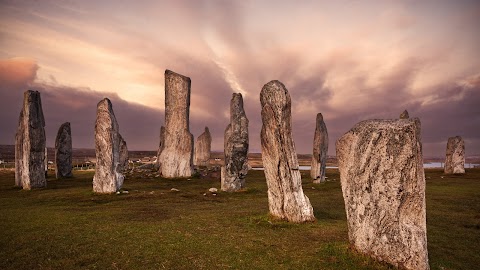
<point x="63" y="151"/>
<point x="320" y="150"/>
<point x="108" y="177"/>
<point x="235" y="147"/>
<point x="176" y="159"/>
<point x="455" y="158"/>
<point x="203" y="147"/>
<point x="285" y="194"/>
<point x="383" y="185"/>
<point x="30" y="143"/>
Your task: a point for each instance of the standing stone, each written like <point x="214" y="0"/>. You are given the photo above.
<point x="320" y="150"/>
<point x="176" y="159"/>
<point x="108" y="176"/>
<point x="161" y="145"/>
<point x="285" y="194"/>
<point x="455" y="158"/>
<point x="404" y="115"/>
<point x="203" y="146"/>
<point x="30" y="143"/>
<point x="383" y="185"/>
<point x="123" y="155"/>
<point x="46" y="160"/>
<point x="63" y="151"/>
<point x="235" y="147"/>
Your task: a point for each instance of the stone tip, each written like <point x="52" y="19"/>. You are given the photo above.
<point x="275" y="83"/>
<point x="404" y="115"/>
<point x="32" y="94"/>
<point x="104" y="103"/>
<point x="66" y="124"/>
<point x="172" y="73"/>
<point x="206" y="130"/>
<point x="319" y="117"/>
<point x="274" y="92"/>
<point x="237" y="97"/>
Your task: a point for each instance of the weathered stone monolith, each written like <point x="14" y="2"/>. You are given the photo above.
<point x="161" y="145"/>
<point x="176" y="159"/>
<point x="63" y="151"/>
<point x="108" y="176"/>
<point x="123" y="155"/>
<point x="235" y="144"/>
<point x="203" y="146"/>
<point x="320" y="150"/>
<point x="285" y="194"/>
<point x="404" y="115"/>
<point x="30" y="143"/>
<point x="46" y="161"/>
<point x="455" y="158"/>
<point x="383" y="185"/>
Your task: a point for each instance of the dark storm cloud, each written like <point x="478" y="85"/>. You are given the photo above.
<point x="349" y="70"/>
<point x="139" y="125"/>
<point x="453" y="109"/>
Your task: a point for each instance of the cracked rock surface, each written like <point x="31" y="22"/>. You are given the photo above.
<point x="176" y="157"/>
<point x="108" y="176"/>
<point x="286" y="199"/>
<point x="455" y="157"/>
<point x="30" y="143"/>
<point x="235" y="147"/>
<point x="63" y="151"/>
<point x="320" y="150"/>
<point x="203" y="147"/>
<point x="383" y="185"/>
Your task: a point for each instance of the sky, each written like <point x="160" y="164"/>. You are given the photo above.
<point x="349" y="60"/>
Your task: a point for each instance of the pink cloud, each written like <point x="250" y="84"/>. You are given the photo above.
<point x="16" y="71"/>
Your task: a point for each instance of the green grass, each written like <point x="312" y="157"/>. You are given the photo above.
<point x="66" y="226"/>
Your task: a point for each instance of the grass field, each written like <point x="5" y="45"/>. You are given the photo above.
<point x="66" y="226"/>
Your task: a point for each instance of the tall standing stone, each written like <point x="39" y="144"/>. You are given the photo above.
<point x="30" y="143"/>
<point x="161" y="145"/>
<point x="123" y="155"/>
<point x="203" y="147"/>
<point x="63" y="151"/>
<point x="108" y="176"/>
<point x="320" y="150"/>
<point x="383" y="185"/>
<point x="235" y="147"/>
<point x="455" y="157"/>
<point x="176" y="159"/>
<point x="285" y="194"/>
